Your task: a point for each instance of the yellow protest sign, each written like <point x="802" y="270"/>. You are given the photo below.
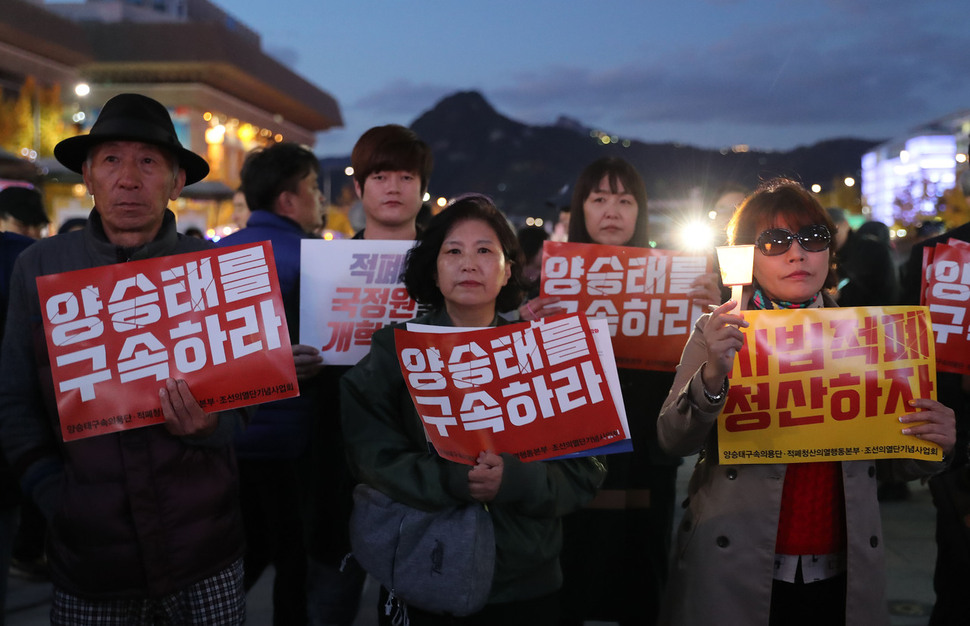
<point x="828" y="385"/>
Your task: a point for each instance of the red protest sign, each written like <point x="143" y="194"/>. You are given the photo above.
<point x="947" y="294"/>
<point x="642" y="293"/>
<point x="537" y="391"/>
<point x="115" y="333"/>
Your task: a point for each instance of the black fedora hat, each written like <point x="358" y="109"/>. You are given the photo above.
<point x="132" y="117"/>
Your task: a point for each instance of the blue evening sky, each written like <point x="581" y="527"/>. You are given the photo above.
<point x="769" y="73"/>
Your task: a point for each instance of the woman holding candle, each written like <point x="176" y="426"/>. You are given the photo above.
<point x="778" y="543"/>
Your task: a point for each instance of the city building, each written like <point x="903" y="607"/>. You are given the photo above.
<point x="903" y="179"/>
<point x="226" y="96"/>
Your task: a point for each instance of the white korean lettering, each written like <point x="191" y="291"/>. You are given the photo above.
<point x="134" y="363"/>
<point x="85" y="384"/>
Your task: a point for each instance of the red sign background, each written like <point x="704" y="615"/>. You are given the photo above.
<point x="537" y="390"/>
<point x="115" y="333"/>
<point x="946" y="291"/>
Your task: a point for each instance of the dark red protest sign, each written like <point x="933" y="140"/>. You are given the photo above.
<point x="642" y="293"/>
<point x="946" y="291"/>
<point x="538" y="391"/>
<point x="115" y="333"/>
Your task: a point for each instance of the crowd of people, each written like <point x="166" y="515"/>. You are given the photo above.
<point x="174" y="523"/>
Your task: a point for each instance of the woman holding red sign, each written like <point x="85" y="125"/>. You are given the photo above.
<point x="783" y="544"/>
<point x="615" y="551"/>
<point x="467" y="263"/>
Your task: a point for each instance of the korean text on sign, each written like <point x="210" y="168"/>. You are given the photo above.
<point x="349" y="289"/>
<point x="537" y="391"/>
<point x="828" y="384"/>
<point x="641" y="293"/>
<point x="946" y="291"/>
<point x="115" y="333"/>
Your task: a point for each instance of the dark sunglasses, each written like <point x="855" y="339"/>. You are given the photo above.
<point x="775" y="241"/>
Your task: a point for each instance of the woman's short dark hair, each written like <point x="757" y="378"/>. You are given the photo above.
<point x="421" y="265"/>
<point x="619" y="173"/>
<point x="779" y="200"/>
<point x="391" y="148"/>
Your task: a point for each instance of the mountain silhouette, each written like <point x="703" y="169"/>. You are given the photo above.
<point x="529" y="170"/>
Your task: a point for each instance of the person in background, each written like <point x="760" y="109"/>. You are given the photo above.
<point x="777" y="544"/>
<point x="560" y="232"/>
<point x="240" y="210"/>
<point x="531" y="239"/>
<point x="11" y="245"/>
<point x="865" y="266"/>
<point x="867" y="276"/>
<point x="143" y="524"/>
<point x="615" y="550"/>
<point x="280" y="185"/>
<point x="392" y="167"/>
<point x="71" y="224"/>
<point x="951" y="488"/>
<point x="467" y="267"/>
<point x="22" y="212"/>
<point x="876" y="230"/>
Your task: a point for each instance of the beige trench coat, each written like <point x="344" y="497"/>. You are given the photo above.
<point x="721" y="568"/>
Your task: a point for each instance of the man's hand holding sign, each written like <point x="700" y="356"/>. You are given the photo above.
<point x="183" y="415"/>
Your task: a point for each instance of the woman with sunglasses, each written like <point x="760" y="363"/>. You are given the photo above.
<point x="787" y="543"/>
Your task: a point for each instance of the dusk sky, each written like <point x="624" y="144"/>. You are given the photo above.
<point x="712" y="73"/>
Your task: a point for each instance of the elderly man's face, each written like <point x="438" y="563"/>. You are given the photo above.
<point x="132" y="184"/>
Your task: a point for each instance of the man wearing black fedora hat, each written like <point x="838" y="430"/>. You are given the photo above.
<point x="144" y="524"/>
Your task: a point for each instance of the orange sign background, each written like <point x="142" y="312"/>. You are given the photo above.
<point x="828" y="384"/>
<point x="641" y="292"/>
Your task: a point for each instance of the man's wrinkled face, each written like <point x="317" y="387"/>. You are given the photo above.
<point x="132" y="184"/>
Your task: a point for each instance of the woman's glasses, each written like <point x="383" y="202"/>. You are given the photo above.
<point x="775" y="241"/>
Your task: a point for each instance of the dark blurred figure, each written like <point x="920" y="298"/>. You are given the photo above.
<point x="865" y="265"/>
<point x="22" y="212"/>
<point x="74" y="223"/>
<point x="286" y="204"/>
<point x="11" y="245"/>
<point x="876" y="230"/>
<point x="950" y="488"/>
<point x="867" y="277"/>
<point x="929" y="229"/>
<point x="23" y="219"/>
<point x="424" y="216"/>
<point x="193" y="231"/>
<point x="531" y="239"/>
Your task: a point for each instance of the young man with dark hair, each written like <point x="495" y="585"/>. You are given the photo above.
<point x="392" y="167"/>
